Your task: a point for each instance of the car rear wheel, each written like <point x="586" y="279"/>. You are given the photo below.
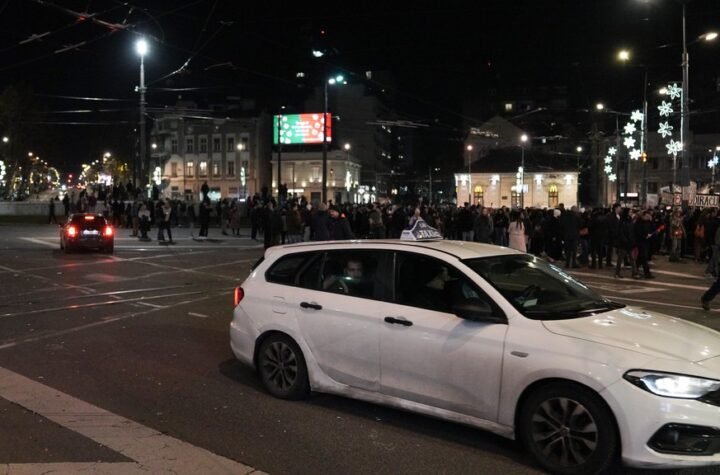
<point x="569" y="430"/>
<point x="282" y="368"/>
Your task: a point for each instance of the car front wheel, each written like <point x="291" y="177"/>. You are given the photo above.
<point x="569" y="430"/>
<point x="282" y="367"/>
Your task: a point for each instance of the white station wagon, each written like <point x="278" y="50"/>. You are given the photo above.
<point x="484" y="336"/>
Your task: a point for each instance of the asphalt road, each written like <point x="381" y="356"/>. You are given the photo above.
<point x="106" y="361"/>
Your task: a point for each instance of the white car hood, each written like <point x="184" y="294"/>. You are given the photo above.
<point x="645" y="332"/>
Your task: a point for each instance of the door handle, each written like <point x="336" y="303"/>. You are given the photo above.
<point x="313" y="306"/>
<point x="398" y="321"/>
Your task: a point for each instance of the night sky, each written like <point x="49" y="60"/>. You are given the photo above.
<point x="441" y="55"/>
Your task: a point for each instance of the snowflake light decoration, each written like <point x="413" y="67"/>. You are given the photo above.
<point x="629" y="128"/>
<point x="635" y="154"/>
<point x="674" y="91"/>
<point x="608" y="169"/>
<point x="674" y="146"/>
<point x="637" y="116"/>
<point x="629" y="142"/>
<point x="665" y="129"/>
<point x="612" y="177"/>
<point x="612" y="151"/>
<point x="608" y="159"/>
<point x="712" y="163"/>
<point x="665" y="109"/>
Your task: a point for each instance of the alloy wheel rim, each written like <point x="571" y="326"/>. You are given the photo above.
<point x="564" y="431"/>
<point x="280" y="365"/>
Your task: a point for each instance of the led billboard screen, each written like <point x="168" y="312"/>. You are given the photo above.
<point x="300" y="128"/>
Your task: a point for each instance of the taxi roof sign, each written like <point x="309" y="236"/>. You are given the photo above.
<point x="421" y="231"/>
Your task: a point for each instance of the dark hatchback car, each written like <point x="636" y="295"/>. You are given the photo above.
<point x="87" y="231"/>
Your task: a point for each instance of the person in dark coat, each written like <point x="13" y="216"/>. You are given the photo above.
<point x="483" y="227"/>
<point x="205" y="208"/>
<point x="613" y="222"/>
<point x="553" y="235"/>
<point x="570" y="223"/>
<point x="339" y="227"/>
<point x="644" y="231"/>
<point x="598" y="238"/>
<point x="320" y="224"/>
<point x="624" y="242"/>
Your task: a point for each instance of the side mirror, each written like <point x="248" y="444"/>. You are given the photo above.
<point x="478" y="310"/>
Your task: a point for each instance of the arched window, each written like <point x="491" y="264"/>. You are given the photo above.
<point x="553" y="197"/>
<point x="478" y="195"/>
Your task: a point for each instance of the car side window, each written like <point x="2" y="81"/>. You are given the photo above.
<point x="288" y="269"/>
<point x="355" y="273"/>
<point x="432" y="284"/>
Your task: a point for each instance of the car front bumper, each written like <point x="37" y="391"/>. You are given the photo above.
<point x="642" y="415"/>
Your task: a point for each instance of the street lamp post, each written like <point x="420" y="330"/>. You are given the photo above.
<point x="685" y="114"/>
<point x="142" y="47"/>
<point x="469" y="180"/>
<point x="523" y="140"/>
<point x="339" y="79"/>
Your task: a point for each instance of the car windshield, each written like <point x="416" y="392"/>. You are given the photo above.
<point x="539" y="290"/>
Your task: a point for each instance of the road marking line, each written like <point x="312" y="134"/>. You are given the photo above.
<point x="644" y="282"/>
<point x="40" y="241"/>
<point x="152" y="450"/>
<point x="117" y="468"/>
<point x="152" y="305"/>
<point x="679" y="274"/>
<point x="193" y="314"/>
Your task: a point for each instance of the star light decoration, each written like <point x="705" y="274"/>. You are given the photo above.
<point x="665" y="129"/>
<point x="633" y="127"/>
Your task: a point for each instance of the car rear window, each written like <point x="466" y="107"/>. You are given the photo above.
<point x="81" y="221"/>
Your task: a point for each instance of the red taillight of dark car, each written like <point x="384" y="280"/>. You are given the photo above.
<point x="72" y="231"/>
<point x="108" y="231"/>
<point x="238" y="296"/>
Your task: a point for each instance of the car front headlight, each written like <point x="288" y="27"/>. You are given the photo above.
<point x="673" y="385"/>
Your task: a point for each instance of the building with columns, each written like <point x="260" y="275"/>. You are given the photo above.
<point x="499" y="179"/>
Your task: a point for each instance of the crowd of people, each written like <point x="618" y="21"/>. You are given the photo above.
<point x="596" y="238"/>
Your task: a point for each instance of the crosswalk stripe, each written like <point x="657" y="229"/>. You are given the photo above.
<point x="153" y="451"/>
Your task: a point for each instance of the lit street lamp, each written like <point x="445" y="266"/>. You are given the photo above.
<point x="469" y="180"/>
<point x="142" y="48"/>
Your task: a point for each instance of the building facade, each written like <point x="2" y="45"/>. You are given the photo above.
<point x="190" y="147"/>
<point x="302" y="174"/>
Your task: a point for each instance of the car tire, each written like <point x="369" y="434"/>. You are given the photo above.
<point x="569" y="430"/>
<point x="282" y="368"/>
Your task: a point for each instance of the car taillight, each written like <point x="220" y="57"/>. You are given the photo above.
<point x="108" y="231"/>
<point x="72" y="231"/>
<point x="238" y="296"/>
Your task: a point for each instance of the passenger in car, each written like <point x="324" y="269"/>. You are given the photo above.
<point x="350" y="282"/>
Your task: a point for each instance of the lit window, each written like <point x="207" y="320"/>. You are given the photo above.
<point x="190" y="169"/>
<point x="508" y="106"/>
<point x="203" y="169"/>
